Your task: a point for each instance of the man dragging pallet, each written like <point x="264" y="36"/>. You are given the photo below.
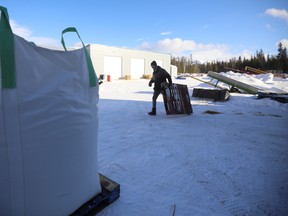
<point x="159" y="76"/>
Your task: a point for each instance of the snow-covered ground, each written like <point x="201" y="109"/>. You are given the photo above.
<point x="231" y="163"/>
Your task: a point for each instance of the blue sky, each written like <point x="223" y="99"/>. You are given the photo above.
<point x="206" y="29"/>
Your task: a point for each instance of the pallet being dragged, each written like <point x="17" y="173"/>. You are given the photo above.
<point x="110" y="193"/>
<point x="176" y="99"/>
<point x="215" y="94"/>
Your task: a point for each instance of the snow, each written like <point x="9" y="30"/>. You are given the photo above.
<point x="261" y="81"/>
<point x="231" y="163"/>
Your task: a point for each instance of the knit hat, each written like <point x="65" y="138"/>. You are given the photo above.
<point x="154" y="63"/>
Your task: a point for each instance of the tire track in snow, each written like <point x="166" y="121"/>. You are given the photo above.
<point x="225" y="196"/>
<point x="209" y="173"/>
<point x="234" y="198"/>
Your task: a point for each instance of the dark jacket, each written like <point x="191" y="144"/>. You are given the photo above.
<point x="160" y="75"/>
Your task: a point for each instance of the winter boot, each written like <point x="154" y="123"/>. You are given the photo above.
<point x="153" y="112"/>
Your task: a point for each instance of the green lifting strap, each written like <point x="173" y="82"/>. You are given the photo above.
<point x="92" y="75"/>
<point x="7" y="51"/>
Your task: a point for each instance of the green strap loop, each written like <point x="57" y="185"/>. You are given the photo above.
<point x="7" y="51"/>
<point x="92" y="74"/>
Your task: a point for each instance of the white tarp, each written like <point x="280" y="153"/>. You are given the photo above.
<point x="48" y="133"/>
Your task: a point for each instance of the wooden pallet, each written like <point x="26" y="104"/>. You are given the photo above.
<point x="176" y="99"/>
<point x="110" y="193"/>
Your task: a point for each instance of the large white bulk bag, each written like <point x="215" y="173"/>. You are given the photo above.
<point x="48" y="127"/>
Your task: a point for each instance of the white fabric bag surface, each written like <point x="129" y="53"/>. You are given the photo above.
<point x="48" y="131"/>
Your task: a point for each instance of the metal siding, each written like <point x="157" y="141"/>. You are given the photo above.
<point x="102" y="59"/>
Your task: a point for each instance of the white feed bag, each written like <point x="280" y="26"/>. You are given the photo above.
<point x="48" y="132"/>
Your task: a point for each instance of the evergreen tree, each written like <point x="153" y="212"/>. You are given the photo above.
<point x="259" y="61"/>
<point x="282" y="58"/>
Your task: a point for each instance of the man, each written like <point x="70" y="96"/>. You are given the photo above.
<point x="159" y="76"/>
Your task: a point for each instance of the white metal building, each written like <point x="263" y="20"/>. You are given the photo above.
<point x="125" y="63"/>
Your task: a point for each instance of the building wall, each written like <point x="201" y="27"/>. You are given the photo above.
<point x="125" y="63"/>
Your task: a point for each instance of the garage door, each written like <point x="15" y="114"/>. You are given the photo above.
<point x="113" y="66"/>
<point x="137" y="68"/>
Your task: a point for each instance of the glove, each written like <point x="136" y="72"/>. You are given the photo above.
<point x="150" y="84"/>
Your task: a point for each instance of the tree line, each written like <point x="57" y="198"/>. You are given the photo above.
<point x="272" y="63"/>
